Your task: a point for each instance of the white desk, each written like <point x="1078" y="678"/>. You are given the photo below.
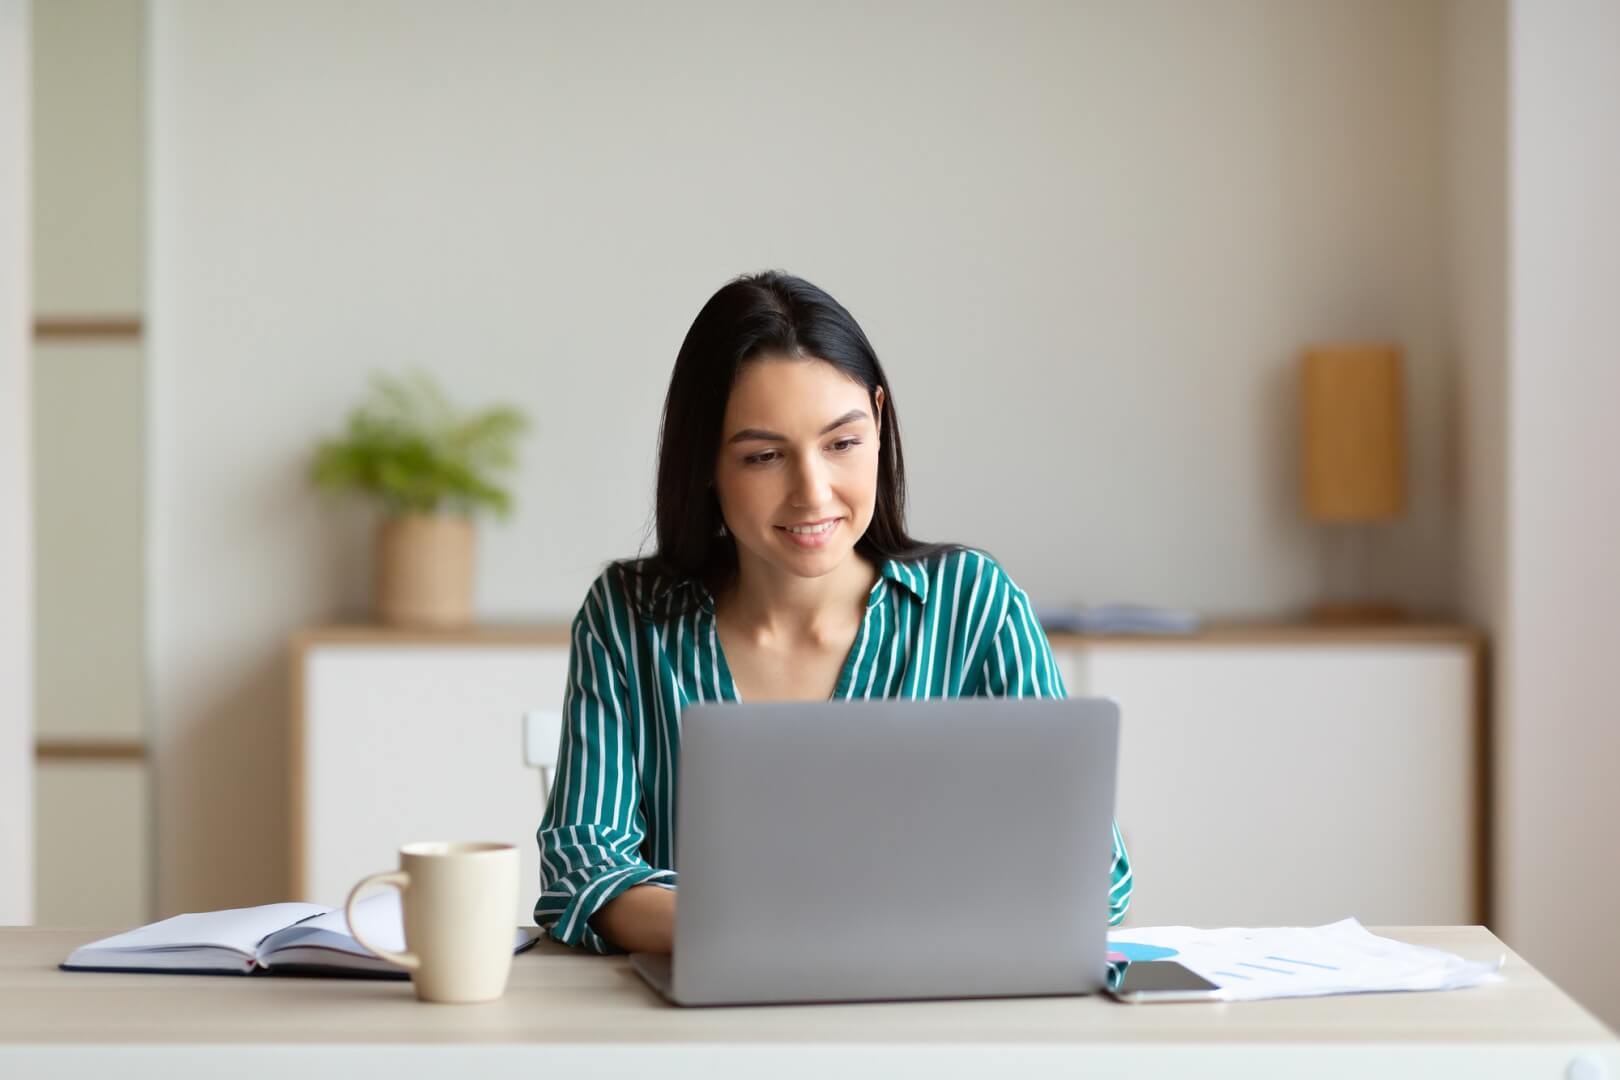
<point x="569" y="1015"/>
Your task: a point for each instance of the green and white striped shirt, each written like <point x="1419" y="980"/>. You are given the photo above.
<point x="950" y="625"/>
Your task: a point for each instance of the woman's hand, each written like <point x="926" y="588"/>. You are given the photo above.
<point x="640" y="919"/>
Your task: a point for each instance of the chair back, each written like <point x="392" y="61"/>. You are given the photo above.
<point x="542" y="732"/>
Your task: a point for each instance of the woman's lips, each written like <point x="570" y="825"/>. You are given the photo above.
<point x="812" y="540"/>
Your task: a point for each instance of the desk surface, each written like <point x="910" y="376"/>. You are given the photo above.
<point x="590" y="1007"/>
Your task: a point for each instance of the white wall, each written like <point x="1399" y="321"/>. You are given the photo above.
<point x="1534" y="160"/>
<point x="1560" y="875"/>
<point x="16" y="495"/>
<point x="1086" y="240"/>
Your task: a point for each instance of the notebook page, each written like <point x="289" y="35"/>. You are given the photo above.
<point x="381" y="919"/>
<point x="240" y="929"/>
<point x="379" y="915"/>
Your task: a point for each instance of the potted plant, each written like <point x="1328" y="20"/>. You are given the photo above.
<point x="433" y="469"/>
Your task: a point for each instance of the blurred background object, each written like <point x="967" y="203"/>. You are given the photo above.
<point x="95" y="827"/>
<point x="432" y="469"/>
<point x="1353" y="417"/>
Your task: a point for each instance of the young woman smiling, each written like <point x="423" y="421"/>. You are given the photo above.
<point x="783" y="571"/>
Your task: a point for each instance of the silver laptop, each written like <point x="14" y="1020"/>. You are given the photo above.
<point x="889" y="850"/>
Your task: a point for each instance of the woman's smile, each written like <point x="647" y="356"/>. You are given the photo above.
<point x="810" y="535"/>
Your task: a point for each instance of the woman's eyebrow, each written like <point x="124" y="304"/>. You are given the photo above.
<point x="761" y="435"/>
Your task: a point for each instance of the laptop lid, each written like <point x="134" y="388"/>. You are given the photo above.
<point x="841" y="851"/>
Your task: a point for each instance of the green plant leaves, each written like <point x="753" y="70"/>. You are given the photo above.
<point x="409" y="446"/>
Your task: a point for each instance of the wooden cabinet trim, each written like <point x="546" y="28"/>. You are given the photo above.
<point x="61" y="749"/>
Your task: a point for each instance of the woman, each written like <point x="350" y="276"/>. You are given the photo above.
<point x="783" y="571"/>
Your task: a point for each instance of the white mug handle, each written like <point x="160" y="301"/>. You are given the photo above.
<point x="401" y="881"/>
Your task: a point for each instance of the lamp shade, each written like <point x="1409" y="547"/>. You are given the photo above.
<point x="1353" y="436"/>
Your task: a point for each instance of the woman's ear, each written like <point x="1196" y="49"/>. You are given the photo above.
<point x="877" y="404"/>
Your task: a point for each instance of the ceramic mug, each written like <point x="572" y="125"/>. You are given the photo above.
<point x="459" y="900"/>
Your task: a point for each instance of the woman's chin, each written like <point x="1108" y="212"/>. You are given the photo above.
<point x="805" y="561"/>
<point x="814" y="563"/>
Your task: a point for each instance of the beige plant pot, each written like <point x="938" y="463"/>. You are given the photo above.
<point x="425" y="570"/>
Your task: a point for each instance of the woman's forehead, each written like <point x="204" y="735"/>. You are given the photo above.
<point x="798" y="389"/>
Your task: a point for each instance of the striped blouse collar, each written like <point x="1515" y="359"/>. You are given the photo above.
<point x="908" y="575"/>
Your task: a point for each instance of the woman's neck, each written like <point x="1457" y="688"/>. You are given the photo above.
<point x="776" y="608"/>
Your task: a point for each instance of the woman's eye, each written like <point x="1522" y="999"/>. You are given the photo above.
<point x="766" y="457"/>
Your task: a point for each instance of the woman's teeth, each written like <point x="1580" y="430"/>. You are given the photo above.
<point x="810" y="530"/>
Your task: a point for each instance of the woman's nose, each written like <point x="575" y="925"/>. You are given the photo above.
<point x="810" y="487"/>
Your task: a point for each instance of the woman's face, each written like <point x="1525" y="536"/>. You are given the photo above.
<point x="797" y="471"/>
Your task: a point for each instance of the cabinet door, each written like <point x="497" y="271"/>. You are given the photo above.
<point x="94" y="848"/>
<point x="1271" y="785"/>
<point x="407" y="743"/>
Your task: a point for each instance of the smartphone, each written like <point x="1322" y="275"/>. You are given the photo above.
<point x="1162" y="980"/>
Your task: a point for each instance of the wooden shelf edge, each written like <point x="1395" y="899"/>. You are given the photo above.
<point x="1223" y="632"/>
<point x="1259" y="632"/>
<point x="481" y="634"/>
<point x="91" y="327"/>
<point x="90" y="750"/>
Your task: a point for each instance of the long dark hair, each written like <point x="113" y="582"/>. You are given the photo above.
<point x="755" y="316"/>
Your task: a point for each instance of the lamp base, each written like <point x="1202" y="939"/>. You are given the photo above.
<point x="1334" y="614"/>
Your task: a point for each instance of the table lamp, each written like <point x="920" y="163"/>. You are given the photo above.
<point x="1353" y="464"/>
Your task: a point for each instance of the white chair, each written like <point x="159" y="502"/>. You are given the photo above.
<point x="542" y="731"/>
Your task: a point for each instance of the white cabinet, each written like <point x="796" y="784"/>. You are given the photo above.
<point x="1266" y="778"/>
<point x="405" y="738"/>
<point x="1295" y="782"/>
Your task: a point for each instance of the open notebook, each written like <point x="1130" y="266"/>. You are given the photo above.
<point x="280" y="939"/>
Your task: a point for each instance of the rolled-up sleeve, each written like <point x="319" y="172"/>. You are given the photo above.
<point x="594" y="825"/>
<point x="1018" y="663"/>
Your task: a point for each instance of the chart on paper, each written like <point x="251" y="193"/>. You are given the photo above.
<point x="1341" y="958"/>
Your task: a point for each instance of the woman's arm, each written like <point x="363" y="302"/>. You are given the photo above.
<point x="593" y="830"/>
<point x="641" y="919"/>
